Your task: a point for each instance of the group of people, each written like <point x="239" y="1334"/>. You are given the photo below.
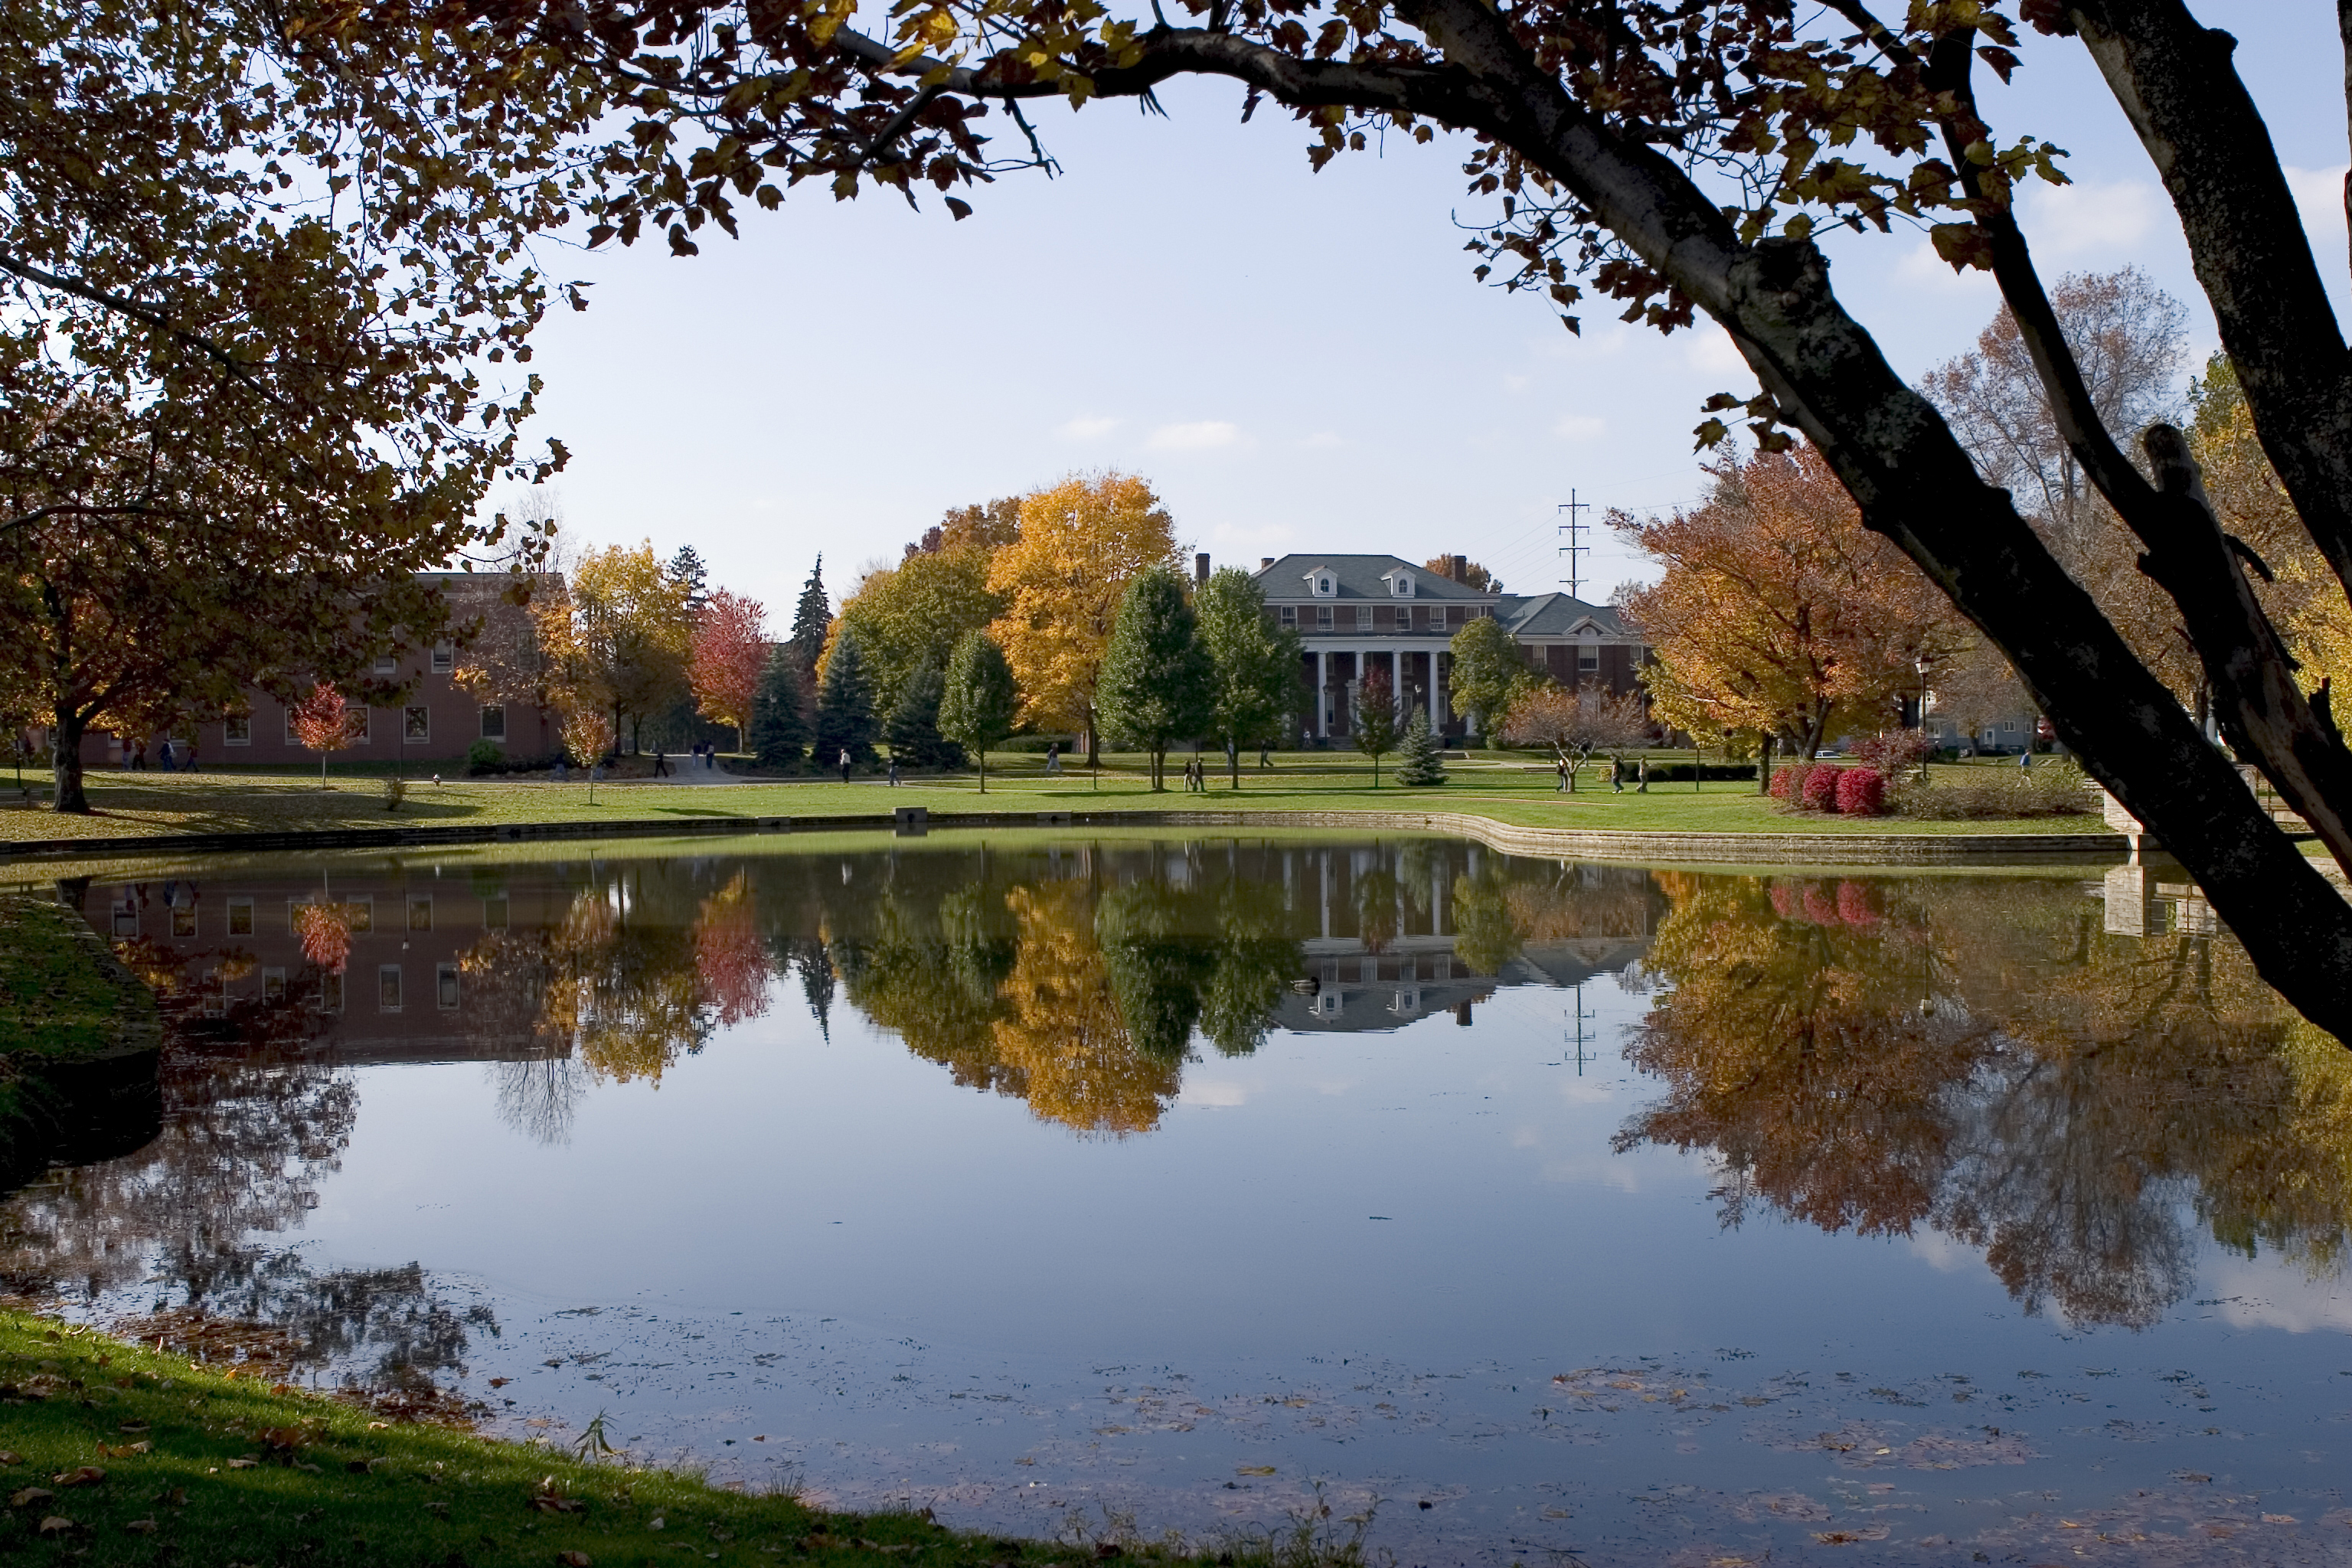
<point x="168" y="759"/>
<point x="704" y="756"/>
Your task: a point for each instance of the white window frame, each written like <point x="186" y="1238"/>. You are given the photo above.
<point x="387" y="664"/>
<point x="240" y="907"/>
<point x="416" y="725"/>
<point x="183" y="915"/>
<point x="423" y="902"/>
<point x="1323" y="585"/>
<point x="388" y="972"/>
<point x="445" y="658"/>
<point x="1289" y="615"/>
<point x="499" y="734"/>
<point x="236" y="729"/>
<point x="1363" y="617"/>
<point x="1401" y="584"/>
<point x="1323" y="617"/>
<point x="273" y="985"/>
<point x="445" y="986"/>
<point x="332" y="992"/>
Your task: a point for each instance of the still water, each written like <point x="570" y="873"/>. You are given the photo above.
<point x="1539" y="1211"/>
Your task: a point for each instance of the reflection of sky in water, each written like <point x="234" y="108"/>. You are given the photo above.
<point x="1403" y="1262"/>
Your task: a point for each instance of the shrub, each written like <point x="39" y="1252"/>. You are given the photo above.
<point x="1893" y="752"/>
<point x="2048" y="789"/>
<point x="1789" y="782"/>
<point x="1820" y="789"/>
<point x="1680" y="773"/>
<point x="485" y="757"/>
<point x="1861" y="792"/>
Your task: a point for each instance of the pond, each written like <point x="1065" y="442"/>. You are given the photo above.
<point x="1101" y="1183"/>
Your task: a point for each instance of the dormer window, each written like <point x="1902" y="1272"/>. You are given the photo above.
<point x="1401" y="584"/>
<point x="1323" y="583"/>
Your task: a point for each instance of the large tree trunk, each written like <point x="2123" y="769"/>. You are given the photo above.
<point x="67" y="730"/>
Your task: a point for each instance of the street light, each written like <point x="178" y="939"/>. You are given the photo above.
<point x="1921" y="665"/>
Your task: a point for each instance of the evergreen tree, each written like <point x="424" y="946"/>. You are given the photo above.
<point x="1376" y="728"/>
<point x="1254" y="667"/>
<point x="977" y="708"/>
<point x="686" y="570"/>
<point x="779" y="728"/>
<point x="812" y="618"/>
<point x="913" y="731"/>
<point x="1156" y="684"/>
<point x="1420" y="762"/>
<point x="844" y="706"/>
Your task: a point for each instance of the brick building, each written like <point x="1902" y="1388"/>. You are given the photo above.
<point x="1359" y="614"/>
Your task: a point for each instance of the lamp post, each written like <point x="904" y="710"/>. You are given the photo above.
<point x="1921" y="665"/>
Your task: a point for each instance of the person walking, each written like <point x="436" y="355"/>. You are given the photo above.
<point x="188" y="758"/>
<point x="165" y="754"/>
<point x="1562" y="768"/>
<point x="1643" y="786"/>
<point x="1265" y="756"/>
<point x="661" y="762"/>
<point x="1053" y="759"/>
<point x="845" y="764"/>
<point x="894" y="769"/>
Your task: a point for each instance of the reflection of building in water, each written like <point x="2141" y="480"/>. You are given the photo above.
<point x="1393" y="946"/>
<point x="2140" y="905"/>
<point x="228" y="959"/>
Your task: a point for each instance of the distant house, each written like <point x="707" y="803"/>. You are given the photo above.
<point x="437" y="721"/>
<point x="1361" y="613"/>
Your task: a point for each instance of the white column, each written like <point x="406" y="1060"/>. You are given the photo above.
<point x="1396" y="679"/>
<point x="1322" y="694"/>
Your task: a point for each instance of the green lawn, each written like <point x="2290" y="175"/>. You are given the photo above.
<point x="1514" y="789"/>
<point x="113" y="1453"/>
<point x="53" y="1001"/>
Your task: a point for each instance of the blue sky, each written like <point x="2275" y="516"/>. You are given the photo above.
<point x="1296" y="361"/>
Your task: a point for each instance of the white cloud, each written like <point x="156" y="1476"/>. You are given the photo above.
<point x="1202" y="436"/>
<point x="1085" y="428"/>
<point x="1921" y="269"/>
<point x="1708" y="350"/>
<point x="2084" y="221"/>
<point x="1218" y="1094"/>
<point x="1578" y="427"/>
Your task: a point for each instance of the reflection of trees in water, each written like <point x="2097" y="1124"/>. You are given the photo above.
<point x="244" y="1148"/>
<point x="539" y="1096"/>
<point x="1979" y="1059"/>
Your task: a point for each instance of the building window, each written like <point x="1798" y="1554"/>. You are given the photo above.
<point x="420" y="914"/>
<point x="126" y="919"/>
<point x="1325" y="587"/>
<point x="362" y="913"/>
<point x="1289" y="615"/>
<point x="236" y="729"/>
<point x="273" y="986"/>
<point x="1322" y="617"/>
<point x="494" y="723"/>
<point x="1588" y="660"/>
<point x="1363" y="614"/>
<point x="494" y="914"/>
<point x="184" y="920"/>
<point x="240" y="917"/>
<point x="387" y="664"/>
<point x="331" y="992"/>
<point x="445" y="658"/>
<point x="417" y="726"/>
<point x="387" y="988"/>
<point x="359" y="723"/>
<point x="444" y="985"/>
<point x="1400" y="586"/>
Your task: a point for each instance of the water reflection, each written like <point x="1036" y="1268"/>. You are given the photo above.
<point x="2068" y="1076"/>
<point x="1996" y="1061"/>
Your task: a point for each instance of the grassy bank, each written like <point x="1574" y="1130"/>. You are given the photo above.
<point x="56" y="1008"/>
<point x="1508" y="788"/>
<point x="113" y="1453"/>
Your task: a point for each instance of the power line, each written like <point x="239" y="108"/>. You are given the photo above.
<point x="1574" y="529"/>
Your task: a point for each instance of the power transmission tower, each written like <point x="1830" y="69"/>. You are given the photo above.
<point x="1575" y="549"/>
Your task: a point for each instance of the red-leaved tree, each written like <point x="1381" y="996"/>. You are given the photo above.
<point x="731" y="651"/>
<point x="322" y="721"/>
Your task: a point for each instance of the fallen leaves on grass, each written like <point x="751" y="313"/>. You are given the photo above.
<point x="141" y="1527"/>
<point x="574" y="1558"/>
<point x="56" y="1524"/>
<point x="30" y="1496"/>
<point x="79" y="1475"/>
<point x="7" y="1457"/>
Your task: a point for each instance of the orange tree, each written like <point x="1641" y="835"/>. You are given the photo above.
<point x="1779" y="611"/>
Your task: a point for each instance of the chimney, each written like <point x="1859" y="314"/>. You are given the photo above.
<point x="1265" y="563"/>
<point x="1201" y="569"/>
<point x="1458" y="568"/>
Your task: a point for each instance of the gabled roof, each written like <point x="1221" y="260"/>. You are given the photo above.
<point x="1558" y="616"/>
<point x="1360" y="577"/>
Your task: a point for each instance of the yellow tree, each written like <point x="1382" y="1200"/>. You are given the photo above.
<point x="1079" y="542"/>
<point x="1779" y="611"/>
<point x="619" y="642"/>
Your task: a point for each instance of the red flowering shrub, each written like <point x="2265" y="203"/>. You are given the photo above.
<point x="1861" y="792"/>
<point x="1821" y="905"/>
<point x="1786" y="900"/>
<point x="1858" y="904"/>
<point x="1789" y="782"/>
<point x="1821" y="788"/>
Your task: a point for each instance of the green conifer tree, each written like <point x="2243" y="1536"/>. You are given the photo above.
<point x="812" y="618"/>
<point x="978" y="706"/>
<point x="1418" y="760"/>
<point x="913" y="731"/>
<point x="686" y="569"/>
<point x="1156" y="685"/>
<point x="779" y="722"/>
<point x="844" y="707"/>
